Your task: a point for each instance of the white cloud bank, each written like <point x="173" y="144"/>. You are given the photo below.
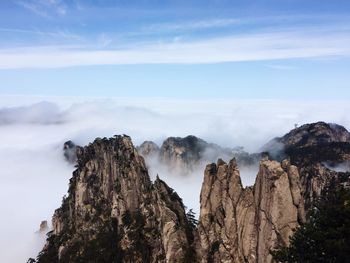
<point x="34" y="175"/>
<point x="251" y="47"/>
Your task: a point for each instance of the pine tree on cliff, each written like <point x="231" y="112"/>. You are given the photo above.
<point x="326" y="236"/>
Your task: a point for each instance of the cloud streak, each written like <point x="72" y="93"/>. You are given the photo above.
<point x="44" y="8"/>
<point x="193" y="25"/>
<point x="59" y="34"/>
<point x="254" y="47"/>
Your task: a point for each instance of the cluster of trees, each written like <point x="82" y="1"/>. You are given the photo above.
<point x="326" y="235"/>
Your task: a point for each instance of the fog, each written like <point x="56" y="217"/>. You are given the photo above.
<point x="34" y="175"/>
<point x="188" y="183"/>
<point x="343" y="167"/>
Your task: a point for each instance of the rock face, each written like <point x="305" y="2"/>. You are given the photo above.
<point x="315" y="142"/>
<point x="315" y="148"/>
<point x="319" y="133"/>
<point x="43" y="227"/>
<point x="113" y="212"/>
<point x="188" y="153"/>
<point x="239" y="224"/>
<point x="69" y="151"/>
<point x="279" y="206"/>
<point x="148" y="149"/>
<point x="181" y="153"/>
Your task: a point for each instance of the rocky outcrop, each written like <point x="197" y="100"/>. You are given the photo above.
<point x="182" y="153"/>
<point x="279" y="206"/>
<point x="217" y="227"/>
<point x="239" y="224"/>
<point x="69" y="151"/>
<point x="148" y="149"/>
<point x="319" y="133"/>
<point x="188" y="153"/>
<point x="315" y="148"/>
<point x="315" y="142"/>
<point x="113" y="212"/>
<point x="43" y="228"/>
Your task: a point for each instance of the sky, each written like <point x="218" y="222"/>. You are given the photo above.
<point x="232" y="72"/>
<point x="243" y="49"/>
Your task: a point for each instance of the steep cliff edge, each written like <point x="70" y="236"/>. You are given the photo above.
<point x="317" y="149"/>
<point x="239" y="224"/>
<point x="113" y="212"/>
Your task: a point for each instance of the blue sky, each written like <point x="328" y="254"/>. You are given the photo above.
<point x="290" y="49"/>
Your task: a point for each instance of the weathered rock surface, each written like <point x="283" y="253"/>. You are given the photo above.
<point x="315" y="142"/>
<point x="182" y="153"/>
<point x="113" y="212"/>
<point x="279" y="206"/>
<point x="190" y="152"/>
<point x="239" y="224"/>
<point x="319" y="133"/>
<point x="148" y="149"/>
<point x="315" y="148"/>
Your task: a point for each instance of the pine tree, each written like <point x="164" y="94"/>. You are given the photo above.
<point x="326" y="235"/>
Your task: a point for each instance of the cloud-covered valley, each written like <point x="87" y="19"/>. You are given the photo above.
<point x="34" y="175"/>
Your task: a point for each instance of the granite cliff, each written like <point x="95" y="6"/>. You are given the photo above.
<point x="115" y="213"/>
<point x="316" y="149"/>
<point x="239" y="224"/>
<point x="184" y="154"/>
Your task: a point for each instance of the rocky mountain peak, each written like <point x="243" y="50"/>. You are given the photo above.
<point x="114" y="213"/>
<point x="316" y="142"/>
<point x="43" y="227"/>
<point x="180" y="152"/>
<point x="319" y="133"/>
<point x="148" y="148"/>
<point x="184" y="154"/>
<point x="239" y="224"/>
<point x="315" y="148"/>
<point x="69" y="151"/>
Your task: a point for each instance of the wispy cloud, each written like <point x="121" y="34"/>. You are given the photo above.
<point x="61" y="34"/>
<point x="44" y="8"/>
<point x="280" y="67"/>
<point x="253" y="47"/>
<point x="258" y="22"/>
<point x="34" y="8"/>
<point x="192" y="25"/>
<point x="103" y="40"/>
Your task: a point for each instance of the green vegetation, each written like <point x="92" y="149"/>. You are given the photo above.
<point x="190" y="227"/>
<point x="102" y="249"/>
<point x="326" y="235"/>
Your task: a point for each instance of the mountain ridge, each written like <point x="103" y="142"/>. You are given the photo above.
<point x="114" y="213"/>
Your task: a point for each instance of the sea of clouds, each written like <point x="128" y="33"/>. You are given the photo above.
<point x="34" y="175"/>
